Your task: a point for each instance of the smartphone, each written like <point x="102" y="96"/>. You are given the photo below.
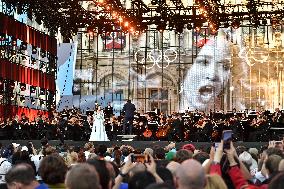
<point x="227" y="138"/>
<point x="140" y="158"/>
<point x="216" y="145"/>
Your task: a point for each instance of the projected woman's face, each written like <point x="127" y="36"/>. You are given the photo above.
<point x="209" y="74"/>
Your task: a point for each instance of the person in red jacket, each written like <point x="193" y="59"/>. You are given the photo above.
<point x="235" y="172"/>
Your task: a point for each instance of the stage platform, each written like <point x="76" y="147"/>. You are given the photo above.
<point x="135" y="144"/>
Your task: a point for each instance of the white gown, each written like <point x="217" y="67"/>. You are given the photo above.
<point x="98" y="130"/>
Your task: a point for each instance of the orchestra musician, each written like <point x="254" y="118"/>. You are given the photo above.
<point x="108" y="111"/>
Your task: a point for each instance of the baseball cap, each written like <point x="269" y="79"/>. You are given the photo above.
<point x="189" y="147"/>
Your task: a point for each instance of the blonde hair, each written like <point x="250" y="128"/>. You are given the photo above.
<point x="215" y="182"/>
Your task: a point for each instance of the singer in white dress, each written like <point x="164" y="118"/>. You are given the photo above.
<point x="98" y="129"/>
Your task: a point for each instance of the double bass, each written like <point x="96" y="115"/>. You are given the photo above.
<point x="147" y="133"/>
<point x="163" y="129"/>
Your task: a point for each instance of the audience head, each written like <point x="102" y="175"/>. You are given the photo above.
<point x="83" y="176"/>
<point x="101" y="150"/>
<point x="166" y="175"/>
<point x="272" y="164"/>
<point x="201" y="157"/>
<point x="141" y="180"/>
<point x="148" y="151"/>
<point x="173" y="166"/>
<point x="89" y="146"/>
<point x="20" y="176"/>
<point x="52" y="169"/>
<point x="215" y="182"/>
<point x="104" y="174"/>
<point x="193" y="179"/>
<point x="159" y="153"/>
<point x="277" y="182"/>
<point x="183" y="155"/>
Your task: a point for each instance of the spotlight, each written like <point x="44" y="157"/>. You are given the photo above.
<point x="235" y="24"/>
<point x="114" y="15"/>
<point x="126" y="24"/>
<point x="120" y="19"/>
<point x="131" y="29"/>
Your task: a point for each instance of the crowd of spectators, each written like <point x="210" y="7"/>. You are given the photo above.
<point x="123" y="167"/>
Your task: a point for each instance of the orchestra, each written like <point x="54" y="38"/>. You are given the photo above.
<point x="70" y="124"/>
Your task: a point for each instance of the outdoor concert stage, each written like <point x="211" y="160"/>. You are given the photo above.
<point x="135" y="144"/>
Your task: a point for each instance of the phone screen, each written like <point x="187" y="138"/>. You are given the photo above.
<point x="140" y="158"/>
<point x="227" y="138"/>
<point x="216" y="145"/>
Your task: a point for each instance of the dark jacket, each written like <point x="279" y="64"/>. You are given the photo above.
<point x="129" y="110"/>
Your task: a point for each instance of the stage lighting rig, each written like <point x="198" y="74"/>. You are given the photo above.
<point x="70" y="17"/>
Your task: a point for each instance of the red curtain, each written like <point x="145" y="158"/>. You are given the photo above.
<point x="19" y="30"/>
<point x="26" y="75"/>
<point x="10" y="111"/>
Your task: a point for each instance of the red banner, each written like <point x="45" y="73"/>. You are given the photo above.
<point x="21" y="31"/>
<point x="26" y="75"/>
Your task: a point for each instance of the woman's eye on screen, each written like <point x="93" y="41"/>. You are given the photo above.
<point x="225" y="64"/>
<point x="205" y="62"/>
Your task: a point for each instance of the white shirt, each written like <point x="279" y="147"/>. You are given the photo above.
<point x="4" y="168"/>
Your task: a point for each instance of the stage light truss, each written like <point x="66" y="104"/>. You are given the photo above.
<point x="113" y="15"/>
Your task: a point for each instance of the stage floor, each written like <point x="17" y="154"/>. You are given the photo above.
<point x="135" y="144"/>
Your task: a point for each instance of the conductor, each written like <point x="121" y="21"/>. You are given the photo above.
<point x="128" y="110"/>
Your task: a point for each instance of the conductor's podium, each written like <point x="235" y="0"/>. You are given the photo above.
<point x="126" y="137"/>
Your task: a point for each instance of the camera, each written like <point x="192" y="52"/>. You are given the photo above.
<point x="227" y="138"/>
<point x="140" y="158"/>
